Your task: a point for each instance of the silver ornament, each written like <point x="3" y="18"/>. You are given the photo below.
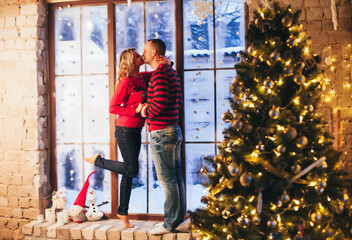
<point x="260" y="147"/>
<point x="339" y="208"/>
<point x="319" y="190"/>
<point x="295" y="169"/>
<point x="285" y="197"/>
<point x="229" y="237"/>
<point x="279" y="203"/>
<point x="204" y="170"/>
<point x="246" y="179"/>
<point x="234" y="170"/>
<point x="274" y="113"/>
<point x="286" y="21"/>
<point x="291" y="133"/>
<point x="300" y="79"/>
<point x="328" y="232"/>
<point x="316" y="217"/>
<point x="301" y="142"/>
<point x="323" y="165"/>
<point x="287" y="70"/>
<point x="309" y="108"/>
<point x="237" y="124"/>
<point x="271" y="223"/>
<point x="226" y="214"/>
<point x="247" y="128"/>
<point x="251" y="50"/>
<point x="243" y="221"/>
<point x="300" y="65"/>
<point x="268" y="83"/>
<point x="227" y="116"/>
<point x="291" y="41"/>
<point x="256" y="219"/>
<point x="275" y="55"/>
<point x="281" y="149"/>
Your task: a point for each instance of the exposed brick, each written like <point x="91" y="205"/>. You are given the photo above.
<point x="29" y="32"/>
<point x="314" y="13"/>
<point x="344" y="11"/>
<point x="29" y="9"/>
<point x="17" y="212"/>
<point x="32" y="20"/>
<point x="24" y="202"/>
<point x="8" y="33"/>
<point x="20" y="44"/>
<point x="314" y="27"/>
<point x="325" y="3"/>
<point x="12" y="10"/>
<point x="345" y="24"/>
<point x="4" y="202"/>
<point x="10" y="44"/>
<point x="21" y="20"/>
<point x="311" y="3"/>
<point x="327" y="13"/>
<point x="5" y="211"/>
<point x="341" y="37"/>
<point x="31" y="213"/>
<point x="296" y="3"/>
<point x="2" y="22"/>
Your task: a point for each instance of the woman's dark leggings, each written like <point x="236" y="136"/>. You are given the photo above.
<point x="129" y="142"/>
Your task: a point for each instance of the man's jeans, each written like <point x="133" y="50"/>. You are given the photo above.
<point x="129" y="142"/>
<point x="165" y="145"/>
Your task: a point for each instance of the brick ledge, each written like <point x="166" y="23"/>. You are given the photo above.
<point x="98" y="230"/>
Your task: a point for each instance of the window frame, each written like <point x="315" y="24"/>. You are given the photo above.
<point x="179" y="63"/>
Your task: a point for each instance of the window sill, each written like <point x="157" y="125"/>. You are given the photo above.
<point x="102" y="230"/>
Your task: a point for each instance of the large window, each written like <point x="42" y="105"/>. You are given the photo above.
<point x="85" y="41"/>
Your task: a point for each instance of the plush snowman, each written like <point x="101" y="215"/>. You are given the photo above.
<point x="93" y="213"/>
<point x="77" y="210"/>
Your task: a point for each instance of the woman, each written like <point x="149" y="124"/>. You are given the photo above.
<point x="127" y="101"/>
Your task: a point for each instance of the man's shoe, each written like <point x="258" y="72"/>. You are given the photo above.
<point x="91" y="159"/>
<point x="159" y="230"/>
<point x="185" y="226"/>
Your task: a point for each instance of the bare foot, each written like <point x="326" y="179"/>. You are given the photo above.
<point x="124" y="219"/>
<point x="91" y="159"/>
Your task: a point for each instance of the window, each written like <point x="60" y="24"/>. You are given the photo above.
<point x="85" y="40"/>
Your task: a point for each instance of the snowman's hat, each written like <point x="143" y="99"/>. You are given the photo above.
<point x="81" y="198"/>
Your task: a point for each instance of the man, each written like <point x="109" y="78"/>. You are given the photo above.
<point x="162" y="112"/>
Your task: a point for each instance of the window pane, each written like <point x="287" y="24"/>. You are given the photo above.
<point x="138" y="200"/>
<point x="160" y="23"/>
<point x="67" y="41"/>
<point x="69" y="168"/>
<point x="195" y="154"/>
<point x="94" y="39"/>
<point x="68" y="104"/>
<point x="101" y="180"/>
<point x="198" y="35"/>
<point x="229" y="27"/>
<point x="129" y="27"/>
<point x="96" y="109"/>
<point x="199" y="106"/>
<point x="223" y="82"/>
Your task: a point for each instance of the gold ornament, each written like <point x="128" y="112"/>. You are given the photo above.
<point x="218" y="159"/>
<point x="204" y="170"/>
<point x="301" y="142"/>
<point x="226" y="214"/>
<point x="227" y="116"/>
<point x="247" y="128"/>
<point x="256" y="219"/>
<point x="309" y="108"/>
<point x="286" y="21"/>
<point x="268" y="83"/>
<point x="281" y="149"/>
<point x="287" y="70"/>
<point x="295" y="169"/>
<point x="275" y="55"/>
<point x="291" y="133"/>
<point x="237" y="124"/>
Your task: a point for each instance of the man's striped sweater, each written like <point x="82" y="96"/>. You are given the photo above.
<point x="164" y="98"/>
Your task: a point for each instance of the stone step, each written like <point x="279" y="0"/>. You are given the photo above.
<point x="99" y="230"/>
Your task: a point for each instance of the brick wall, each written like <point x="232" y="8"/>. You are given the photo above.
<point x="23" y="114"/>
<point x="24" y="103"/>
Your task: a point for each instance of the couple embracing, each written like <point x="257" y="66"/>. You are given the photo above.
<point x="155" y="97"/>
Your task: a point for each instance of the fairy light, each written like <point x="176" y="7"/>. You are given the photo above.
<point x="235" y="199"/>
<point x="253" y="211"/>
<point x="255" y="153"/>
<point x="280" y="82"/>
<point x="306" y="50"/>
<point x="296" y="100"/>
<point x="280" y="128"/>
<point x="251" y="199"/>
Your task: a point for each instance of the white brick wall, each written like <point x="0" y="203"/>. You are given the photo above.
<point x="21" y="183"/>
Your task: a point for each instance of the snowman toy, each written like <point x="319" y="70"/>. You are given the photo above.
<point x="93" y="213"/>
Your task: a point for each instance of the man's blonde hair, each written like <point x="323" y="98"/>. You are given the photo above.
<point x="126" y="64"/>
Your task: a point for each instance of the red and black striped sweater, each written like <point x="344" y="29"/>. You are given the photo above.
<point x="164" y="98"/>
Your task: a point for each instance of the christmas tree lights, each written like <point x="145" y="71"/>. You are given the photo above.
<point x="277" y="175"/>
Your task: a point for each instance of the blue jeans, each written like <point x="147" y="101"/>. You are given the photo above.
<point x="129" y="142"/>
<point x="165" y="145"/>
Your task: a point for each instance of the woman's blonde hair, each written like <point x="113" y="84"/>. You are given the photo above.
<point x="126" y="64"/>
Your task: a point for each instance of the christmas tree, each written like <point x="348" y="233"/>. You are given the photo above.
<point x="276" y="175"/>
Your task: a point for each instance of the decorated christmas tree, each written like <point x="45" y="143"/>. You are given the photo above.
<point x="276" y="175"/>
